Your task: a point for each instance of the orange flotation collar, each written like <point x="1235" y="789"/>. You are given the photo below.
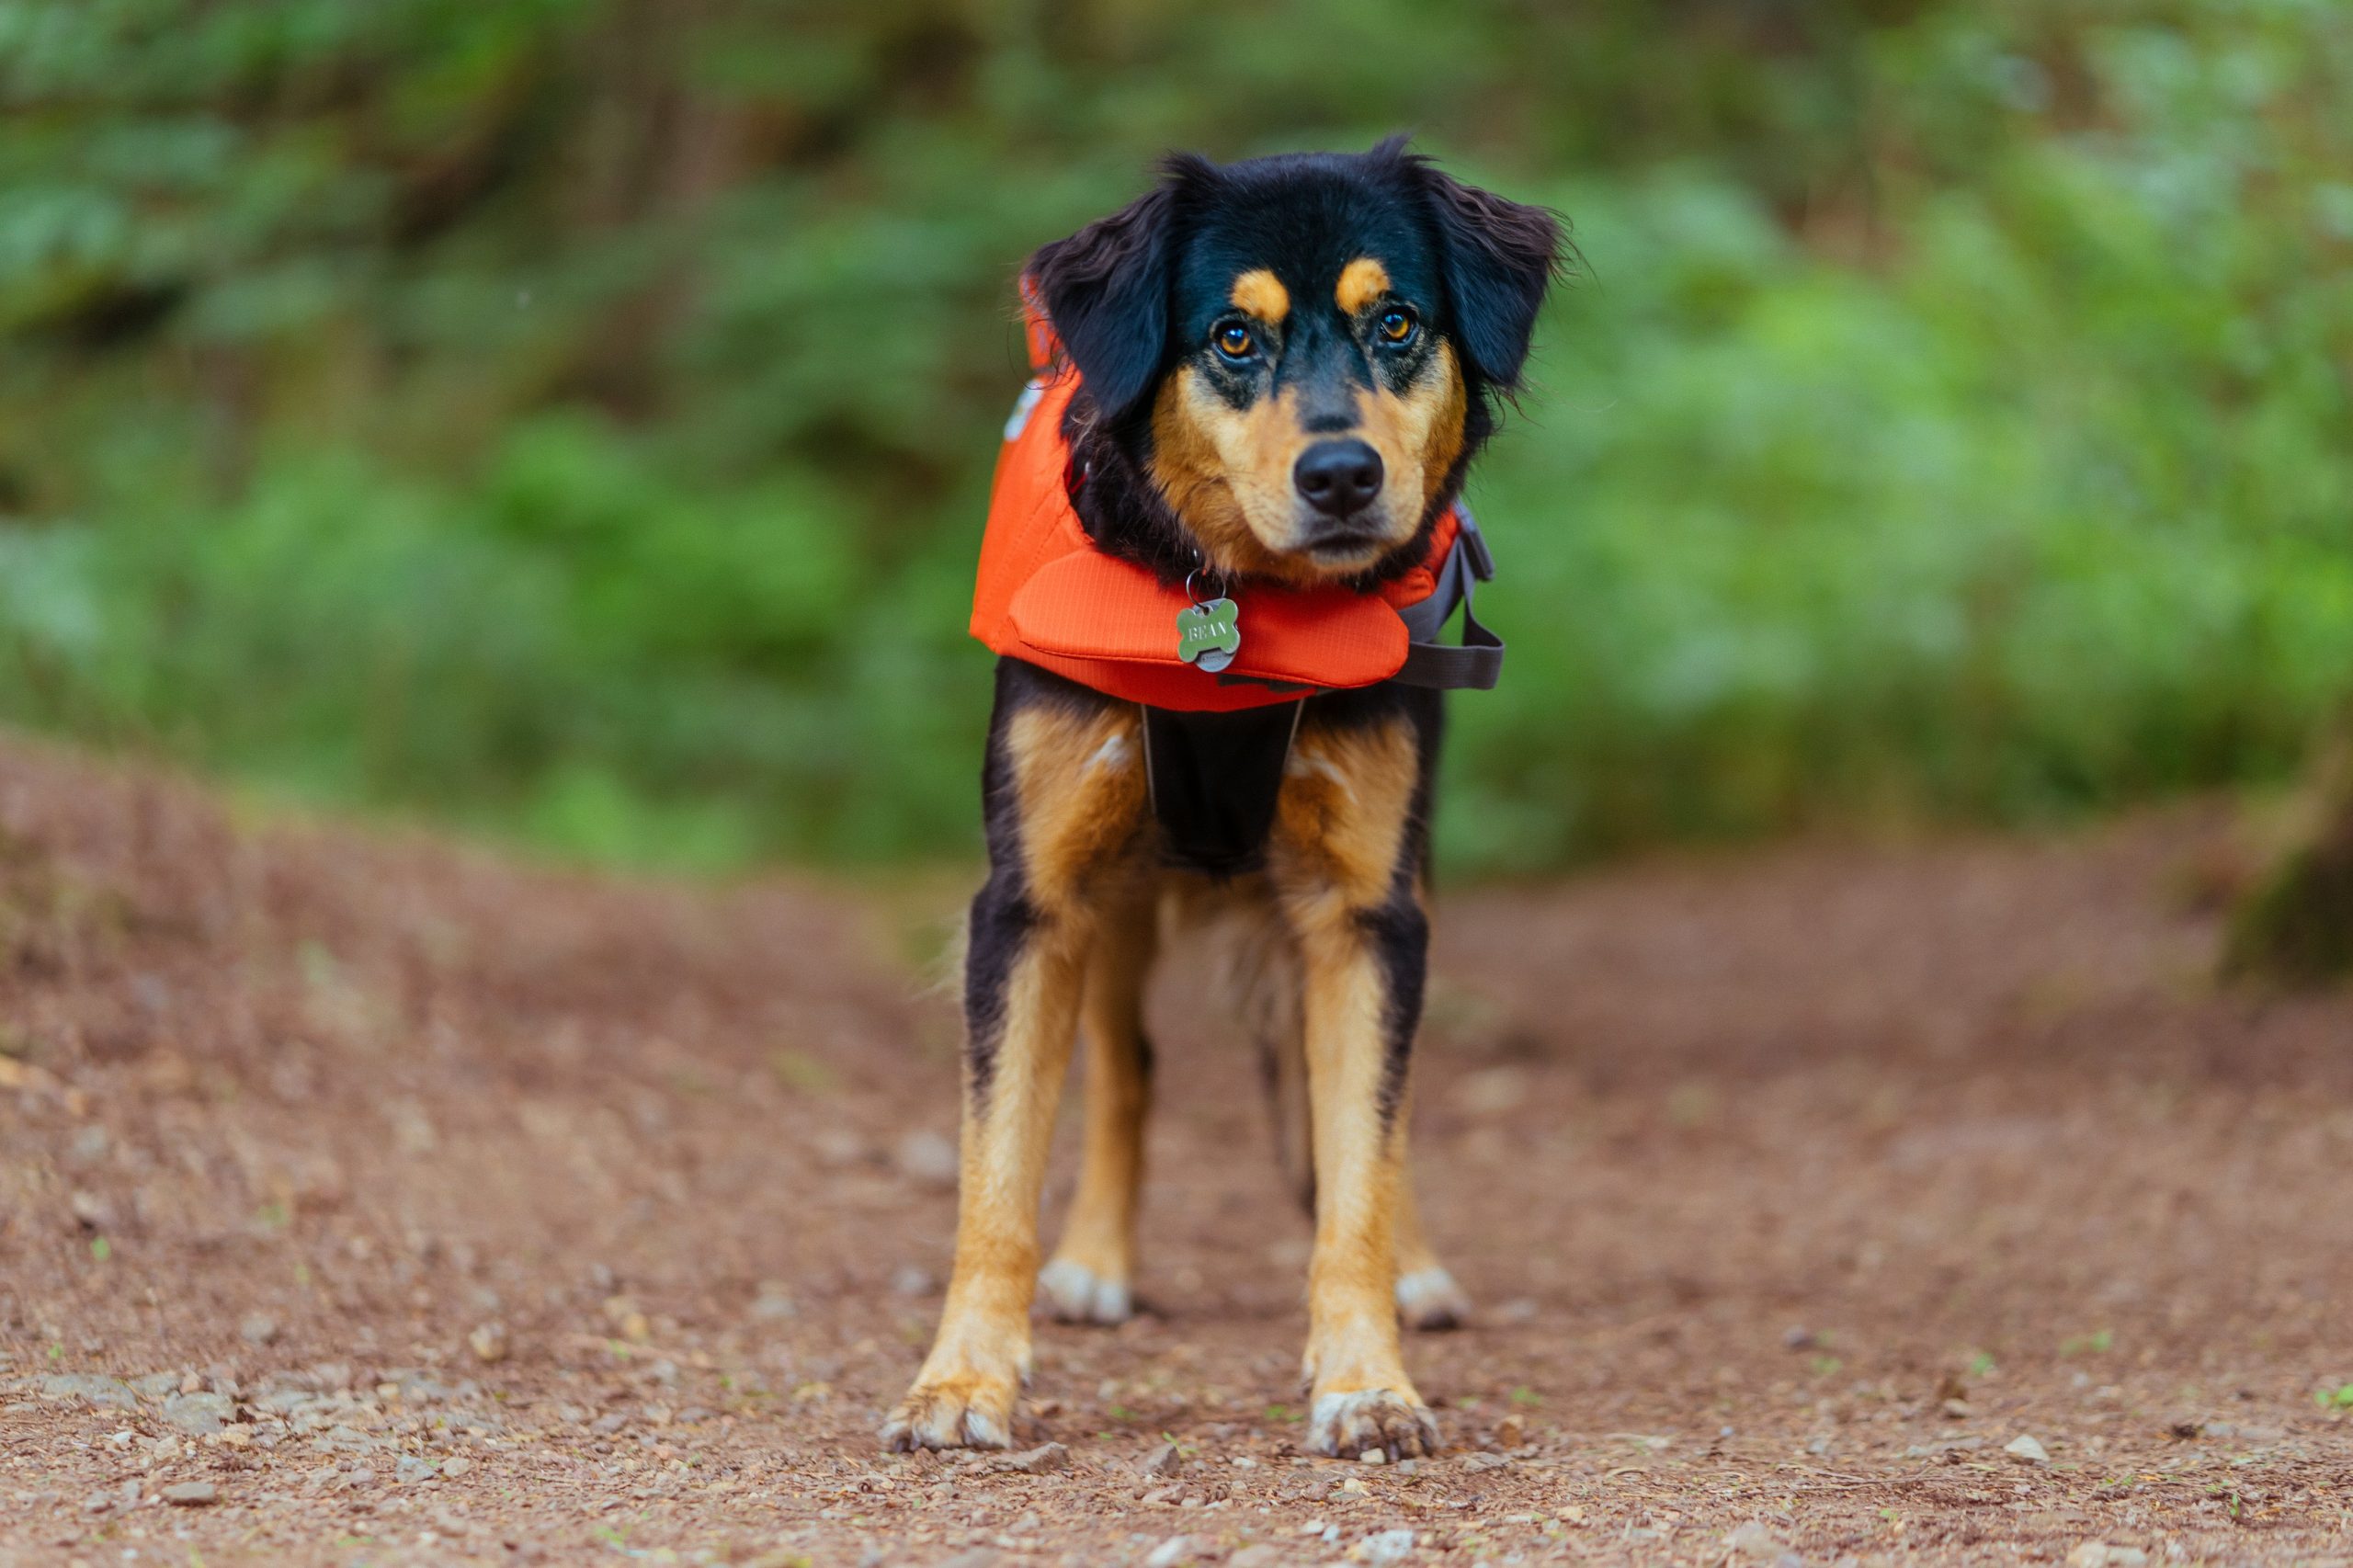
<point x="1046" y="595"/>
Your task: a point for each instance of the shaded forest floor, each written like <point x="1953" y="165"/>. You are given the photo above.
<point x="366" y="1200"/>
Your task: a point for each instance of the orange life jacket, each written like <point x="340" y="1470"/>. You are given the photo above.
<point x="1046" y="594"/>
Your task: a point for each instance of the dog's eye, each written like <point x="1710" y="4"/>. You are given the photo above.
<point x="1396" y="325"/>
<point x="1233" y="341"/>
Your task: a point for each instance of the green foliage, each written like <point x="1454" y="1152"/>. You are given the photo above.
<point x="574" y="416"/>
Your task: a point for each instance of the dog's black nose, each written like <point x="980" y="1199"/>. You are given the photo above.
<point x="1338" y="477"/>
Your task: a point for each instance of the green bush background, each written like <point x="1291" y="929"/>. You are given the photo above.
<point x="573" y="417"/>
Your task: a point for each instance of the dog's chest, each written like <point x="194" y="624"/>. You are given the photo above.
<point x="1214" y="780"/>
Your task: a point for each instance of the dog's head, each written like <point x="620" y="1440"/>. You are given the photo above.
<point x="1301" y="352"/>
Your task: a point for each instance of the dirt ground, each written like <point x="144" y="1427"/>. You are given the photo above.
<point x="364" y="1200"/>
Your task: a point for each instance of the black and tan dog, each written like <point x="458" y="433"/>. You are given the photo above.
<point x="1287" y="365"/>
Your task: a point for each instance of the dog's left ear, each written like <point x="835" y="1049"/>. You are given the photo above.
<point x="1500" y="258"/>
<point x="1105" y="290"/>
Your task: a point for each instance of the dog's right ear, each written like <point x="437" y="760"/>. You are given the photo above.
<point x="1105" y="290"/>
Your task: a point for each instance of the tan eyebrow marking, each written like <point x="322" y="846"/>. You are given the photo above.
<point x="1262" y="294"/>
<point x="1362" y="281"/>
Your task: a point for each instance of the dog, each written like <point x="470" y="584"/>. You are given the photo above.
<point x="1284" y="367"/>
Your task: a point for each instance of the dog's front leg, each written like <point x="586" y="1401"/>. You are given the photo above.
<point x="1023" y="986"/>
<point x="1347" y="869"/>
<point x="1065" y="800"/>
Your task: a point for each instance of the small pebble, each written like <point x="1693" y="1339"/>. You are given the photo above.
<point x="2026" y="1450"/>
<point x="488" y="1341"/>
<point x="199" y="1415"/>
<point x="2099" y="1554"/>
<point x="1037" y="1460"/>
<point x="258" y="1328"/>
<point x="1168" y="1553"/>
<point x="192" y="1494"/>
<point x="91" y="1388"/>
<point x="1755" y="1541"/>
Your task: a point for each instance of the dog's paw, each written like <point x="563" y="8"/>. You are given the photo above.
<point x="1429" y="1300"/>
<point x="1349" y="1425"/>
<point x="1072" y="1292"/>
<point x="971" y="1411"/>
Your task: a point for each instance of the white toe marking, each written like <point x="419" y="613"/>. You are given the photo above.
<point x="1426" y="1290"/>
<point x="1331" y="1411"/>
<point x="1335" y="1418"/>
<point x="1079" y="1295"/>
<point x="1110" y="1303"/>
<point x="1066" y="1284"/>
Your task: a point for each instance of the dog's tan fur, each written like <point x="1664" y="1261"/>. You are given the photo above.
<point x="1228" y="474"/>
<point x="1419" y="433"/>
<point x="1362" y="283"/>
<point x="1260" y="293"/>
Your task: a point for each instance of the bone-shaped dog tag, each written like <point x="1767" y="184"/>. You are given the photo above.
<point x="1210" y="634"/>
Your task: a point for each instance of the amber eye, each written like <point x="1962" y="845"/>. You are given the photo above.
<point x="1396" y="325"/>
<point x="1233" y="341"/>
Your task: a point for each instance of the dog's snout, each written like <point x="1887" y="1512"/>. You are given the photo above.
<point x="1338" y="477"/>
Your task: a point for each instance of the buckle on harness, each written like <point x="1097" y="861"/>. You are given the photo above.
<point x="1469" y="539"/>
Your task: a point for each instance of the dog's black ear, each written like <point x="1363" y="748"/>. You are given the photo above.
<point x="1105" y="290"/>
<point x="1500" y="258"/>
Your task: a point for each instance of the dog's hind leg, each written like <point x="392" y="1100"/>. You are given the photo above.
<point x="1428" y="1296"/>
<point x="1064" y="795"/>
<point x="1091" y="1276"/>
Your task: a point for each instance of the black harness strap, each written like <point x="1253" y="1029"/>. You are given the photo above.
<point x="1213" y="779"/>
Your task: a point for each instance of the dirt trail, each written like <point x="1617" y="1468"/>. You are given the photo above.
<point x="386" y="1202"/>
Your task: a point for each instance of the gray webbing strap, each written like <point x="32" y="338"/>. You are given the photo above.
<point x="1475" y="664"/>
